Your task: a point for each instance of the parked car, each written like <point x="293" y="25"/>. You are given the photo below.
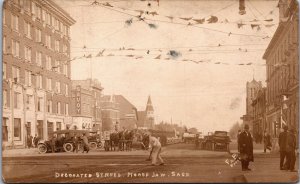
<point x="217" y="141"/>
<point x="64" y="141"/>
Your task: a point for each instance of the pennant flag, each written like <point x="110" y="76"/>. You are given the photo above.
<point x="241" y="64"/>
<point x="219" y="45"/>
<point x="229" y="33"/>
<point x="212" y="19"/>
<point x="129" y="55"/>
<point x="217" y="63"/>
<point x="186" y="18"/>
<point x="226" y="21"/>
<point x="254" y="20"/>
<point x="89" y="56"/>
<point x="190" y="50"/>
<point x="189" y="24"/>
<point x="254" y="25"/>
<point x="249" y="63"/>
<point x="240" y="25"/>
<point x="95" y="3"/>
<point x="140" y="11"/>
<point x="139" y="57"/>
<point x="110" y="55"/>
<point x="148" y="51"/>
<point x="100" y="53"/>
<point x="269" y="20"/>
<point x="174" y="54"/>
<point x="153" y="13"/>
<point x="157" y="57"/>
<point x="197" y="62"/>
<point x="199" y="21"/>
<point x="128" y="22"/>
<point x="152" y="26"/>
<point x="266" y="37"/>
<point x="130" y="49"/>
<point x="107" y="4"/>
<point x="170" y="17"/>
<point x="73" y="58"/>
<point x="167" y="58"/>
<point x="185" y="60"/>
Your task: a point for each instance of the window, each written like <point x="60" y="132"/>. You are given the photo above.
<point x="49" y="84"/>
<point x="4" y="45"/>
<point x="39" y="104"/>
<point x="28" y="75"/>
<point x="58" y="108"/>
<point x="27" y="5"/>
<point x="39" y="81"/>
<point x="48" y="41"/>
<point x="4" y="129"/>
<point x="27" y="29"/>
<point x="44" y="15"/>
<point x="65" y="48"/>
<point x="4" y="73"/>
<point x="29" y="102"/>
<point x="17" y="100"/>
<point x="5" y="99"/>
<point x="57" y="87"/>
<point x="48" y="18"/>
<point x="17" y="129"/>
<point x="4" y="17"/>
<point x="67" y="89"/>
<point x="16" y="74"/>
<point x="38" y="12"/>
<point x="15" y="22"/>
<point x="56" y="47"/>
<point x="67" y="109"/>
<point x="15" y="48"/>
<point x="49" y="106"/>
<point x="65" y="70"/>
<point x="28" y="54"/>
<point x="56" y="66"/>
<point x="56" y="26"/>
<point x="48" y="63"/>
<point x="38" y="35"/>
<point x="38" y="58"/>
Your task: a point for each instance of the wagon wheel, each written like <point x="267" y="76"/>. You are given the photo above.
<point x="68" y="147"/>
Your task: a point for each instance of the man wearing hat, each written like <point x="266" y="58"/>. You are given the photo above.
<point x="246" y="148"/>
<point x="291" y="148"/>
<point x="155" y="148"/>
<point x="282" y="146"/>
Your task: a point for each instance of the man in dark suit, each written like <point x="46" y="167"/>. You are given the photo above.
<point x="246" y="148"/>
<point x="291" y="148"/>
<point x="282" y="146"/>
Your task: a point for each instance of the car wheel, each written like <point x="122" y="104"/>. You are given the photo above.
<point x="93" y="145"/>
<point x="42" y="148"/>
<point x="68" y="147"/>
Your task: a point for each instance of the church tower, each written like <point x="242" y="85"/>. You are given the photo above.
<point x="149" y="123"/>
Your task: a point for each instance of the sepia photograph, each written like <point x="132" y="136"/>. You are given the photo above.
<point x="150" y="91"/>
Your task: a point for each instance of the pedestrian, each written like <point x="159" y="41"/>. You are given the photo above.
<point x="197" y="141"/>
<point x="35" y="141"/>
<point x="246" y="148"/>
<point x="267" y="141"/>
<point x="291" y="148"/>
<point x="85" y="143"/>
<point x="53" y="143"/>
<point x="238" y="137"/>
<point x="29" y="141"/>
<point x="75" y="143"/>
<point x="155" y="146"/>
<point x="282" y="141"/>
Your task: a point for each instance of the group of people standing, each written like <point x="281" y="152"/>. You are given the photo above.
<point x="287" y="144"/>
<point x="32" y="142"/>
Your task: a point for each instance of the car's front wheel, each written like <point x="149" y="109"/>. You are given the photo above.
<point x="93" y="145"/>
<point x="42" y="148"/>
<point x="68" y="147"/>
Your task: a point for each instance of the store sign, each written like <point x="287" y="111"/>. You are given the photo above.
<point x="78" y="100"/>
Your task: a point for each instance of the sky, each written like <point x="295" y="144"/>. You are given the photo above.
<point x="206" y="95"/>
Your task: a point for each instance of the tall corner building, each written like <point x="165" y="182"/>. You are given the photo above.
<point x="36" y="70"/>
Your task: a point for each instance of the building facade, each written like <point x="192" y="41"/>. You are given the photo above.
<point x="282" y="61"/>
<point x="86" y="108"/>
<point x="128" y="113"/>
<point x="252" y="89"/>
<point x="110" y="113"/>
<point x="259" y="115"/>
<point x="146" y="118"/>
<point x="36" y="71"/>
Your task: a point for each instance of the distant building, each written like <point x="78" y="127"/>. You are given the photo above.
<point x="251" y="91"/>
<point x="86" y="105"/>
<point x="146" y="118"/>
<point x="36" y="71"/>
<point x="110" y="113"/>
<point x="128" y="113"/>
<point x="259" y="114"/>
<point x="282" y="60"/>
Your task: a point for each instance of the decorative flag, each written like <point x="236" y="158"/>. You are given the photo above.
<point x="89" y="56"/>
<point x="100" y="53"/>
<point x="269" y="20"/>
<point x="217" y="63"/>
<point x="212" y="19"/>
<point x="157" y="57"/>
<point x="153" y="13"/>
<point x="249" y="64"/>
<point x="170" y="17"/>
<point x="152" y="26"/>
<point x="139" y="57"/>
<point x="199" y="21"/>
<point x="254" y="25"/>
<point x="186" y="18"/>
<point x="269" y="25"/>
<point x="129" y="55"/>
<point x="110" y="55"/>
<point x="95" y="3"/>
<point x="240" y="25"/>
<point x="107" y="4"/>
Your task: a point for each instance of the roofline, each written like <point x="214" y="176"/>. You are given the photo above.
<point x="61" y="12"/>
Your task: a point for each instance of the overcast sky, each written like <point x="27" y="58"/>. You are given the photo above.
<point x="208" y="96"/>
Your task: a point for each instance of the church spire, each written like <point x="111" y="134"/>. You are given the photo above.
<point x="149" y="106"/>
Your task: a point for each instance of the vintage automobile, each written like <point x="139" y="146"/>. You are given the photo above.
<point x="217" y="141"/>
<point x="64" y="141"/>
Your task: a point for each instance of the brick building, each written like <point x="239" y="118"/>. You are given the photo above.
<point x="85" y="109"/>
<point x="36" y="71"/>
<point x="110" y="111"/>
<point x="282" y="60"/>
<point x="251" y="91"/>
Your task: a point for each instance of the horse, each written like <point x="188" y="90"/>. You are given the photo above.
<point x="114" y="141"/>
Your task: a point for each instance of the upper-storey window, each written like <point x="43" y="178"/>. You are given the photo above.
<point x="15" y="22"/>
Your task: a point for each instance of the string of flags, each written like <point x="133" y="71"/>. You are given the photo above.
<point x="268" y="22"/>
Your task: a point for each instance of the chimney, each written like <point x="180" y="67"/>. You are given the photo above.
<point x="282" y="5"/>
